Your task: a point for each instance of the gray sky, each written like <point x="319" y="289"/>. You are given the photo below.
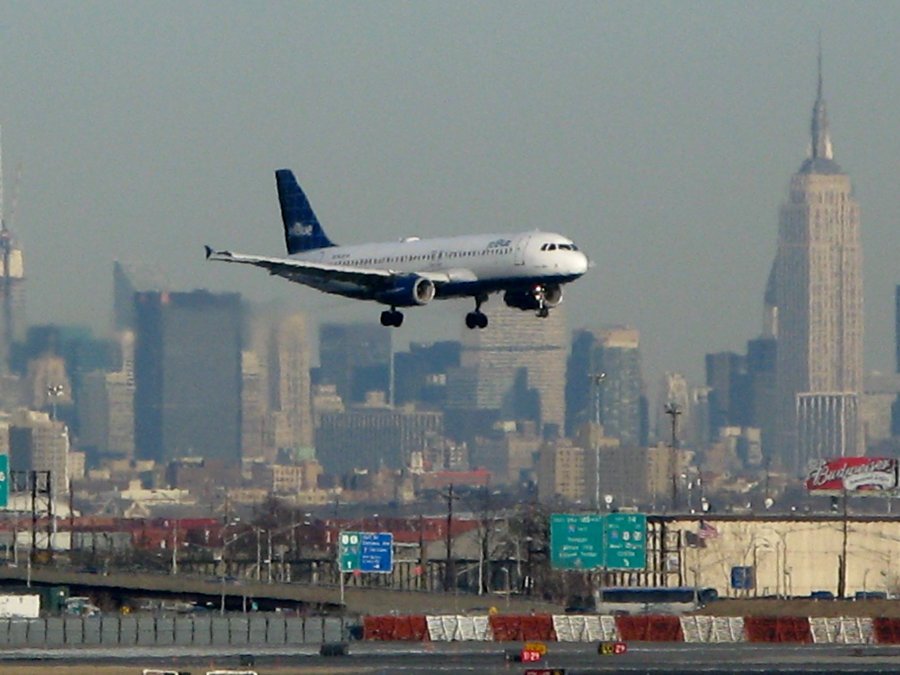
<point x="660" y="136"/>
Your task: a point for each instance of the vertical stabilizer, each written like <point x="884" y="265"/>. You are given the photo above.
<point x="302" y="231"/>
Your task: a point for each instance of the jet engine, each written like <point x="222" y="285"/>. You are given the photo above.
<point x="530" y="299"/>
<point x="408" y="291"/>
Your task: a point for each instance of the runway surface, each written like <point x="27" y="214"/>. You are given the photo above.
<point x="449" y="658"/>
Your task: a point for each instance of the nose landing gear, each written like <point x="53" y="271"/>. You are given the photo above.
<point x="540" y="296"/>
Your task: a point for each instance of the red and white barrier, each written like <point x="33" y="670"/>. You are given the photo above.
<point x="602" y="628"/>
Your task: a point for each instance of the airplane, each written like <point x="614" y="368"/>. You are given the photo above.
<point x="529" y="268"/>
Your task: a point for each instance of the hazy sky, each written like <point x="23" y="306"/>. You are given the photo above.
<point x="660" y="136"/>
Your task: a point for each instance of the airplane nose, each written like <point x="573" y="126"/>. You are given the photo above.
<point x="581" y="263"/>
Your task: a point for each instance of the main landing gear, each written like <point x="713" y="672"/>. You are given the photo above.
<point x="391" y="317"/>
<point x="477" y="319"/>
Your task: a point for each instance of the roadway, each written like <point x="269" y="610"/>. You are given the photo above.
<point x="203" y="590"/>
<point x="452" y="658"/>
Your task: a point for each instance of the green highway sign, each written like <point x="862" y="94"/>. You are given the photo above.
<point x="589" y="541"/>
<point x="349" y="547"/>
<point x="576" y="541"/>
<point x="367" y="552"/>
<point x="4" y="481"/>
<point x="625" y="541"/>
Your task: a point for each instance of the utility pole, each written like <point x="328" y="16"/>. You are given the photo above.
<point x="673" y="411"/>
<point x="842" y="566"/>
<point x="449" y="570"/>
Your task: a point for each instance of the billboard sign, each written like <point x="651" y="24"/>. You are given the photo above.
<point x="869" y="475"/>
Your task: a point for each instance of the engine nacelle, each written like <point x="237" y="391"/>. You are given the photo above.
<point x="529" y="299"/>
<point x="408" y="291"/>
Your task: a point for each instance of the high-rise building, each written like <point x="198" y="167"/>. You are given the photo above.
<point x="356" y="358"/>
<point x="130" y="278"/>
<point x="187" y="369"/>
<point x="604" y="384"/>
<point x="289" y="385"/>
<point x="819" y="300"/>
<point x="12" y="287"/>
<point x="420" y="375"/>
<point x="374" y="437"/>
<point x="897" y="329"/>
<point x="276" y="396"/>
<point x="726" y="376"/>
<point x="895" y="414"/>
<point x="38" y="443"/>
<point x="515" y="370"/>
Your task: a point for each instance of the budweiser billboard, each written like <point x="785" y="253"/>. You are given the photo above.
<point x="853" y="474"/>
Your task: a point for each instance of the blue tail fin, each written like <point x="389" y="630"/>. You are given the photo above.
<point x="302" y="231"/>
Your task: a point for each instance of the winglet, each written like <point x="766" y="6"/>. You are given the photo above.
<point x="209" y="251"/>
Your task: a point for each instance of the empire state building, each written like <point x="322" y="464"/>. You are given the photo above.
<point x="819" y="309"/>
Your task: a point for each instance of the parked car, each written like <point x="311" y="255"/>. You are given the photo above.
<point x="870" y="595"/>
<point x="821" y="595"/>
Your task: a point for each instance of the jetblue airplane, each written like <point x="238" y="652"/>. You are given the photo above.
<point x="529" y="268"/>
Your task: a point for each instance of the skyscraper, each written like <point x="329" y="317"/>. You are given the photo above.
<point x="819" y="299"/>
<point x="130" y="278"/>
<point x="12" y="286"/>
<point x="187" y="368"/>
<point x="604" y="384"/>
<point x="356" y="358"/>
<point x="897" y="329"/>
<point x="516" y="369"/>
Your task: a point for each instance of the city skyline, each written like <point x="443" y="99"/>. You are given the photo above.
<point x="660" y="135"/>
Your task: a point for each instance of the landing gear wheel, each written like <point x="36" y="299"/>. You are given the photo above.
<point x="391" y="317"/>
<point x="543" y="312"/>
<point x="476" y="320"/>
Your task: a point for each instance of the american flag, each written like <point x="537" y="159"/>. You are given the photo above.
<point x="707" y="531"/>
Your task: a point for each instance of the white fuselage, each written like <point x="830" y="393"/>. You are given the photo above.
<point x="470" y="262"/>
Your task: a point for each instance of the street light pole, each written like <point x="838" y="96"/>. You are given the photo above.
<point x="673" y="411"/>
<point x="258" y="552"/>
<point x="175" y="548"/>
<point x="597" y="379"/>
<point x="269" y="563"/>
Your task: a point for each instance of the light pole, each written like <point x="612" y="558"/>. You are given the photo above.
<point x="54" y="391"/>
<point x="175" y="548"/>
<point x="225" y="542"/>
<point x="597" y="379"/>
<point x="673" y="411"/>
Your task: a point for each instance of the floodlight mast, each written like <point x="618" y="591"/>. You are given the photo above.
<point x="673" y="411"/>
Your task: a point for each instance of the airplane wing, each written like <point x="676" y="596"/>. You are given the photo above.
<point x="319" y="275"/>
